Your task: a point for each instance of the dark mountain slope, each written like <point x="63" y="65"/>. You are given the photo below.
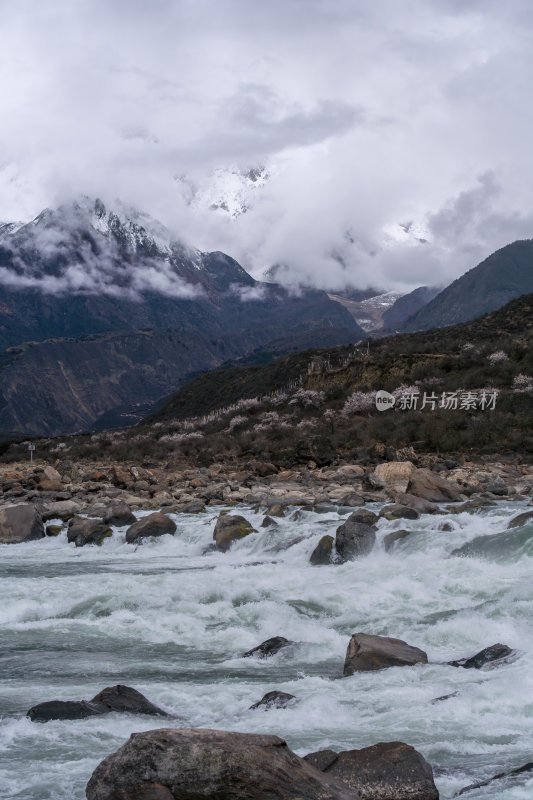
<point x="505" y="274"/>
<point x="407" y="305"/>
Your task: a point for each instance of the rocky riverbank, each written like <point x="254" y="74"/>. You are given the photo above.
<point x="111" y="492"/>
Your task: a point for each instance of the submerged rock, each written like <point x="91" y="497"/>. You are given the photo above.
<point x="156" y="524"/>
<point x="83" y="531"/>
<point x="113" y="698"/>
<point x="366" y="652"/>
<point x="500" y="776"/>
<point x="495" y="654"/>
<point x="268" y="648"/>
<point x="521" y="519"/>
<point x="354" y="539"/>
<point x="230" y="528"/>
<point x="274" y="700"/>
<point x="388" y="771"/>
<point x="392" y="538"/>
<point x="199" y="764"/>
<point x="20" y="523"/>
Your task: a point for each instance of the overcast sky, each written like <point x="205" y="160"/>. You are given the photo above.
<point x="368" y="114"/>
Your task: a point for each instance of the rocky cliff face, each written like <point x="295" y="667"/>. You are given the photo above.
<point x="105" y="312"/>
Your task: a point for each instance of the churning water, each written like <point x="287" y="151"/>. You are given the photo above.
<point x="172" y="620"/>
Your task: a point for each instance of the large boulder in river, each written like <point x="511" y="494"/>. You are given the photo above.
<point x="113" y="698"/>
<point x="427" y="485"/>
<point x="388" y="771"/>
<point x="84" y="531"/>
<point x="354" y="539"/>
<point x="119" y="515"/>
<point x="366" y="652"/>
<point x="20" y="523"/>
<point x="199" y="764"/>
<point x="230" y="528"/>
<point x="156" y="524"/>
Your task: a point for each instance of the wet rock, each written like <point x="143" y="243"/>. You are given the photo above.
<point x="366" y="652"/>
<point x="61" y="509"/>
<point x="198" y="764"/>
<point x="63" y="709"/>
<point x="365" y="516"/>
<point x="354" y="539"/>
<point x="156" y="524"/>
<point x="444" y="697"/>
<point x="395" y="474"/>
<point x="445" y="527"/>
<point x="124" y="698"/>
<point x="495" y="655"/>
<point x="83" y="531"/>
<point x="119" y="515"/>
<point x="113" y="698"/>
<point x="416" y="503"/>
<point x="388" y="770"/>
<point x="397" y="511"/>
<point x="390" y="540"/>
<point x="322" y="553"/>
<point x="53" y="530"/>
<point x="268" y="522"/>
<point x="429" y="486"/>
<point x="274" y="700"/>
<point x="276" y="510"/>
<point x="268" y="648"/>
<point x="230" y="528"/>
<point x="521" y="519"/>
<point x="500" y="776"/>
<point x="20" y="523"/>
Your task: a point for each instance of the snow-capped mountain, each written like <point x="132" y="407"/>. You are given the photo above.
<point x="229" y="191"/>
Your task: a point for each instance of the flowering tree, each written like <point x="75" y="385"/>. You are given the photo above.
<point x="358" y="402"/>
<point x="497" y="356"/>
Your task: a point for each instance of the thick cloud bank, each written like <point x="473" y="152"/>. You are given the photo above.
<point x="392" y="139"/>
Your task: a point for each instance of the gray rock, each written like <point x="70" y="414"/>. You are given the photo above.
<point x="268" y="522"/>
<point x="268" y="648"/>
<point x="388" y="771"/>
<point x="230" y="528"/>
<point x="322" y="553"/>
<point x="429" y="486"/>
<point x="199" y="764"/>
<point x="354" y="539"/>
<point x="113" y="698"/>
<point x="20" y="523"/>
<point x="521" y="519"/>
<point x="83" y="531"/>
<point x="501" y="775"/>
<point x="274" y="700"/>
<point x="322" y="759"/>
<point x="61" y="509"/>
<point x="397" y="511"/>
<point x="156" y="524"/>
<point x="192" y="507"/>
<point x="366" y="652"/>
<point x="494" y="655"/>
<point x="364" y="515"/>
<point x="390" y="540"/>
<point x="119" y="515"/>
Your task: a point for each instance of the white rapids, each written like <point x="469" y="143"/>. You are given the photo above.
<point x="172" y="617"/>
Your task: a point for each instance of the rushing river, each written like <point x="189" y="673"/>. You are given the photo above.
<point x="172" y="620"/>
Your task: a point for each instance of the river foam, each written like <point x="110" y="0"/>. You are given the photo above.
<point x="172" y="618"/>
